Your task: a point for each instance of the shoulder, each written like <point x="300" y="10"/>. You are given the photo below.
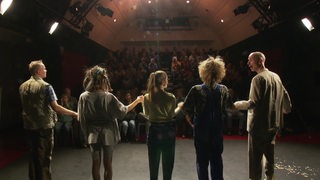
<point x="85" y="93"/>
<point x="274" y="74"/>
<point x="222" y="88"/>
<point x="170" y="95"/>
<point x="108" y="96"/>
<point x="146" y="97"/>
<point x="195" y="88"/>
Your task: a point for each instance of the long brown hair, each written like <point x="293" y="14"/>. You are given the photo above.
<point x="96" y="78"/>
<point x="155" y="81"/>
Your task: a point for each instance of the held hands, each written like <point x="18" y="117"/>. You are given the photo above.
<point x="75" y="115"/>
<point x="180" y="105"/>
<point x="140" y="99"/>
<point x="242" y="105"/>
<point x="178" y="108"/>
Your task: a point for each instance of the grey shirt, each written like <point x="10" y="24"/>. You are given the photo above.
<point x="98" y="114"/>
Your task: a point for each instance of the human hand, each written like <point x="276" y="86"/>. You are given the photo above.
<point x="140" y="99"/>
<point x="242" y="105"/>
<point x="75" y="115"/>
<point x="180" y="105"/>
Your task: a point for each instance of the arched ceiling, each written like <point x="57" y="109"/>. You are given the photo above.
<point x="171" y="21"/>
<point x="206" y="23"/>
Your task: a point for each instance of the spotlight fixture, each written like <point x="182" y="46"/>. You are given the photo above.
<point x="86" y="28"/>
<point x="4" y="6"/>
<point x="104" y="11"/>
<point x="76" y="8"/>
<point x="242" y="9"/>
<point x="307" y="23"/>
<point x="53" y="27"/>
<point x="260" y="24"/>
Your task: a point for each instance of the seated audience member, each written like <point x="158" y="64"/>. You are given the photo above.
<point x="64" y="124"/>
<point x="128" y="122"/>
<point x="235" y="114"/>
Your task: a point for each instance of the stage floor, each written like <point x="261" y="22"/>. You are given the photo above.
<point x="294" y="161"/>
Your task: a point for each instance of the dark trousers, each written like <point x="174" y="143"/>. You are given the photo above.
<point x="260" y="146"/>
<point x="209" y="152"/>
<point x="161" y="142"/>
<point x="40" y="144"/>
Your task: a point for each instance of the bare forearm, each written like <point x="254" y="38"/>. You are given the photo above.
<point x="135" y="103"/>
<point x="65" y="111"/>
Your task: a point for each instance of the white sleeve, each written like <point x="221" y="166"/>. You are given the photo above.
<point x="242" y="105"/>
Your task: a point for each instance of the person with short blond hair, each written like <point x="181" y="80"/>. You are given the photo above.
<point x="39" y="104"/>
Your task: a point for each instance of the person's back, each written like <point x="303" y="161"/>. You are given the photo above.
<point x="39" y="104"/>
<point x="37" y="112"/>
<point x="98" y="113"/>
<point x="270" y="100"/>
<point x="207" y="104"/>
<point x="208" y="123"/>
<point x="159" y="106"/>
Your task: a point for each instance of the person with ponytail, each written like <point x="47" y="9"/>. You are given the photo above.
<point x="98" y="112"/>
<point x="159" y="106"/>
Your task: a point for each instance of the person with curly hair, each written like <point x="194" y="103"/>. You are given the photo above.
<point x="207" y="103"/>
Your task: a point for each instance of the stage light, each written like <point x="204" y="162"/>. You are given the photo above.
<point x="104" y="11"/>
<point x="53" y="27"/>
<point x="242" y="9"/>
<point x="76" y="8"/>
<point x="260" y="24"/>
<point x="4" y="6"/>
<point x="86" y="28"/>
<point x="307" y="23"/>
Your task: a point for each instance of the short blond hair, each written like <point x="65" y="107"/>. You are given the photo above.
<point x="34" y="66"/>
<point x="212" y="70"/>
<point x="258" y="56"/>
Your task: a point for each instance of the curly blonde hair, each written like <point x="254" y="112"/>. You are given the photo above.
<point x="212" y="70"/>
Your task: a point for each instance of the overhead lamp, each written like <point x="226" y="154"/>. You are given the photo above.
<point x="242" y="9"/>
<point x="307" y="23"/>
<point x="4" y="6"/>
<point x="53" y="27"/>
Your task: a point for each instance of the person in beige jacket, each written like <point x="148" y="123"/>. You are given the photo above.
<point x="268" y="101"/>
